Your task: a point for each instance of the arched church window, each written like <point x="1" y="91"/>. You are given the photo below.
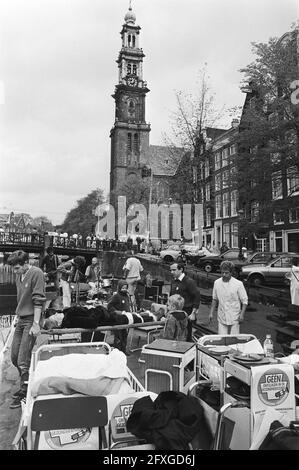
<point x="129" y="68"/>
<point x="131" y="108"/>
<point x="133" y="40"/>
<point x="136" y="142"/>
<point x="134" y="69"/>
<point x="129" y="40"/>
<point x="129" y="142"/>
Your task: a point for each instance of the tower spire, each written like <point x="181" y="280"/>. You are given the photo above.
<point x="130" y="16"/>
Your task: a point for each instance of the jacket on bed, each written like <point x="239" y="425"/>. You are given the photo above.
<point x="172" y="421"/>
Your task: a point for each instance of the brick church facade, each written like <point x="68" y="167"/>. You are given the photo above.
<point x="132" y="156"/>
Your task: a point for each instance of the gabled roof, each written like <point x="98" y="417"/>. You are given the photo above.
<point x="163" y="160"/>
<point x="214" y="132"/>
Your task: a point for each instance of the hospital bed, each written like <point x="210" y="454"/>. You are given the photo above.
<point x="92" y="411"/>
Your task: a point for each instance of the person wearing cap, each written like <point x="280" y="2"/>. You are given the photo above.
<point x="118" y="304"/>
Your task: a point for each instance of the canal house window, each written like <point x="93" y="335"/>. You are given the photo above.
<point x="294" y="215"/>
<point x="130" y="142"/>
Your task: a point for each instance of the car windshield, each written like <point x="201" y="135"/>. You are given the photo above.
<point x="260" y="257"/>
<point x="282" y="262"/>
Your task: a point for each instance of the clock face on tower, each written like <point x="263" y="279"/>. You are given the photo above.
<point x="132" y="81"/>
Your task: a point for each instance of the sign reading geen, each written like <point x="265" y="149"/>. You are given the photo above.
<point x="272" y="387"/>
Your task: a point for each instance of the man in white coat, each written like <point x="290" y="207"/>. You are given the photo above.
<point x="230" y="298"/>
<point x="293" y="277"/>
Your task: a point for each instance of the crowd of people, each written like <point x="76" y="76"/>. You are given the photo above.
<point x="183" y="309"/>
<point x="92" y="241"/>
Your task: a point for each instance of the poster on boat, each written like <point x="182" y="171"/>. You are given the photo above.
<point x="272" y="390"/>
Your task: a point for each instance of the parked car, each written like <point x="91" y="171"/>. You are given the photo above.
<point x="272" y="273"/>
<point x="259" y="257"/>
<point x="172" y="253"/>
<point x="193" y="255"/>
<point x="212" y="262"/>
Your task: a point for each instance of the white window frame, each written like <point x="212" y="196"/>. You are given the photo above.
<point x="233" y="149"/>
<point x="208" y="192"/>
<point x="224" y="157"/>
<point x="292" y="181"/>
<point x="296" y="220"/>
<point x="218" y="184"/>
<point x="218" y="206"/>
<point x="217" y="161"/>
<point x="275" y="220"/>
<point x="234" y="202"/>
<point x="235" y="234"/>
<point x="276" y="184"/>
<point x="226" y="234"/>
<point x="225" y="179"/>
<point x="225" y="204"/>
<point x="254" y="211"/>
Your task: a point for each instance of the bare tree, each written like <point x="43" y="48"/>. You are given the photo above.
<point x="194" y="113"/>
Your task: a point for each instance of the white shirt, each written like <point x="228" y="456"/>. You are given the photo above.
<point x="230" y="296"/>
<point x="134" y="267"/>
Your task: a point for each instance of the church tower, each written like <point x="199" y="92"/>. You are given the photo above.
<point x="130" y="133"/>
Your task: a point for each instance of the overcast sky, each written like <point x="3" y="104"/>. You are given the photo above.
<point x="58" y="71"/>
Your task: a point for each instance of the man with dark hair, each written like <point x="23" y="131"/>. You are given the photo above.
<point x="49" y="265"/>
<point x="31" y="298"/>
<point x="230" y="299"/>
<point x="186" y="288"/>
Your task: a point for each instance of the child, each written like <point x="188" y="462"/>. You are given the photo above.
<point x="176" y="326"/>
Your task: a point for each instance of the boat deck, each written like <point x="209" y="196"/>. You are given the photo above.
<point x="256" y="323"/>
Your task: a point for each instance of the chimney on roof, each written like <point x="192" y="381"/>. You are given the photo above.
<point x="235" y="122"/>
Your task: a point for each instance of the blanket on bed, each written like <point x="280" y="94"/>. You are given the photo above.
<point x="92" y="387"/>
<point x="89" y="374"/>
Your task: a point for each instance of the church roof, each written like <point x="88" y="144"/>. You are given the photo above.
<point x="163" y="160"/>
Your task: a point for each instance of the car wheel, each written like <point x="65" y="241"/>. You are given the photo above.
<point x="256" y="280"/>
<point x="168" y="259"/>
<point x="208" y="268"/>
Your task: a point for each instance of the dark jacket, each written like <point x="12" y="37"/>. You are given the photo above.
<point x="189" y="291"/>
<point x="119" y="302"/>
<point x="176" y="326"/>
<point x="172" y="421"/>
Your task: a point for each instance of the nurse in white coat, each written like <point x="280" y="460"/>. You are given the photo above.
<point x="293" y="276"/>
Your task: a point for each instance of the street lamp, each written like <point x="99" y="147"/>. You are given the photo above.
<point x="241" y="213"/>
